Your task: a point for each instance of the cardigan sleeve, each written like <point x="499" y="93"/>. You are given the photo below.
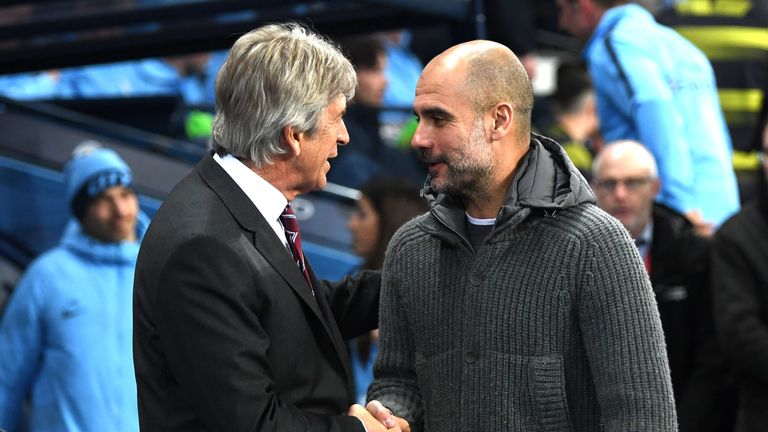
<point x="395" y="384"/>
<point x="622" y="335"/>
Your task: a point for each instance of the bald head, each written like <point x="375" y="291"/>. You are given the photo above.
<point x="488" y="73"/>
<point x="626" y="184"/>
<point x="625" y="153"/>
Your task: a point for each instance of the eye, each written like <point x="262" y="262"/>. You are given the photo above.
<point x="439" y="121"/>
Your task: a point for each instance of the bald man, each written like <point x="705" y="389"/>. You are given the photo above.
<point x="515" y="304"/>
<point x="677" y="259"/>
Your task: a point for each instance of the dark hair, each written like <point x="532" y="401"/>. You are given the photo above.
<point x="573" y="83"/>
<point x="363" y="51"/>
<point x="395" y="201"/>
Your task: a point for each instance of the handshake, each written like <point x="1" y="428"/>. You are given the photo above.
<point x="376" y="418"/>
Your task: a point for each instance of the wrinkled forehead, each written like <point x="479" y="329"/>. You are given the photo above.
<point x="441" y="84"/>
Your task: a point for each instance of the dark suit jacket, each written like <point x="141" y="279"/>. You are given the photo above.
<point x="227" y="334"/>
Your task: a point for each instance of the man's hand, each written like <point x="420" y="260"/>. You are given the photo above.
<point x="373" y="424"/>
<point x="386" y="417"/>
<point x="702" y="227"/>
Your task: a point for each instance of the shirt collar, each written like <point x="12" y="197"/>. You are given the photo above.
<point x="270" y="201"/>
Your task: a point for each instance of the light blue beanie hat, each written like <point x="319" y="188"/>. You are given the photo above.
<point x="91" y="170"/>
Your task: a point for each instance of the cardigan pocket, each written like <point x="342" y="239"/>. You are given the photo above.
<point x="547" y="387"/>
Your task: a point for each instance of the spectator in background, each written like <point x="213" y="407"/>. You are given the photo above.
<point x="402" y="72"/>
<point x="576" y="123"/>
<point x="66" y="333"/>
<point x="385" y="204"/>
<point x="740" y="289"/>
<point x="368" y="156"/>
<point x="180" y="76"/>
<point x="733" y="36"/>
<point x="515" y="304"/>
<point x="655" y="87"/>
<point x="677" y="260"/>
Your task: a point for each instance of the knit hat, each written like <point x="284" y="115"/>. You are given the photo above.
<point x="92" y="170"/>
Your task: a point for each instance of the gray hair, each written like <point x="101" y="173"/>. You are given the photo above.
<point x="275" y="76"/>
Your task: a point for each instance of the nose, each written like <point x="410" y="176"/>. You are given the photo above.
<point x="420" y="139"/>
<point x="122" y="206"/>
<point x="620" y="191"/>
<point x="343" y="136"/>
<point x="352" y="223"/>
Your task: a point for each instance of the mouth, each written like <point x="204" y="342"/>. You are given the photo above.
<point x="434" y="166"/>
<point x="433" y="162"/>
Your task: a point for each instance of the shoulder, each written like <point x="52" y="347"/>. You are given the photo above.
<point x="55" y="263"/>
<point x="741" y="225"/>
<point x="416" y="229"/>
<point x="53" y="272"/>
<point x="587" y="222"/>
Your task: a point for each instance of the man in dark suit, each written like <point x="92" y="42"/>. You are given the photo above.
<point x="232" y="330"/>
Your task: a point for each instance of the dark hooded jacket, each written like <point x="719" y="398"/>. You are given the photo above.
<point x="740" y="295"/>
<point x="551" y="325"/>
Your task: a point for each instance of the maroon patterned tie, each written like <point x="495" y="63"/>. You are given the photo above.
<point x="291" y="227"/>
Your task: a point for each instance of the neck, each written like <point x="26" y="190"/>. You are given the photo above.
<point x="487" y="206"/>
<point x="278" y="175"/>
<point x="575" y="129"/>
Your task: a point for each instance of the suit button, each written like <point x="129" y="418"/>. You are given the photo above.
<point x="471" y="357"/>
<point x="476" y="279"/>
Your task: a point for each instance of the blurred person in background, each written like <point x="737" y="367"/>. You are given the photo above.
<point x="740" y="289"/>
<point x="368" y="156"/>
<point x="733" y="36"/>
<point x="576" y="124"/>
<point x="385" y="204"/>
<point x="655" y="87"/>
<point x="677" y="260"/>
<point x="402" y="72"/>
<point x="66" y="333"/>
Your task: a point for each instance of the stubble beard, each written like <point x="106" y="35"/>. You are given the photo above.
<point x="470" y="170"/>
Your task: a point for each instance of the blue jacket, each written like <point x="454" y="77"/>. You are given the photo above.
<point x="66" y="339"/>
<point x="655" y="87"/>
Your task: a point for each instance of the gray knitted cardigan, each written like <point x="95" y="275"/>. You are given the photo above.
<point x="551" y="326"/>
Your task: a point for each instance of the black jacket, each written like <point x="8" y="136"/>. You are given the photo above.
<point x="740" y="288"/>
<point x="679" y="263"/>
<point x="227" y="334"/>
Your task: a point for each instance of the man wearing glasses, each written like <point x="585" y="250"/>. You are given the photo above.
<point x="626" y="183"/>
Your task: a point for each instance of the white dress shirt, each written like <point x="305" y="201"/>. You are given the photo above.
<point x="268" y="200"/>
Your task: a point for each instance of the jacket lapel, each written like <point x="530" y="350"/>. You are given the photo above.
<point x="264" y="240"/>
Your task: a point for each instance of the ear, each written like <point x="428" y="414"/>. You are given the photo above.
<point x="656" y="186"/>
<point x="292" y="140"/>
<point x="503" y="120"/>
